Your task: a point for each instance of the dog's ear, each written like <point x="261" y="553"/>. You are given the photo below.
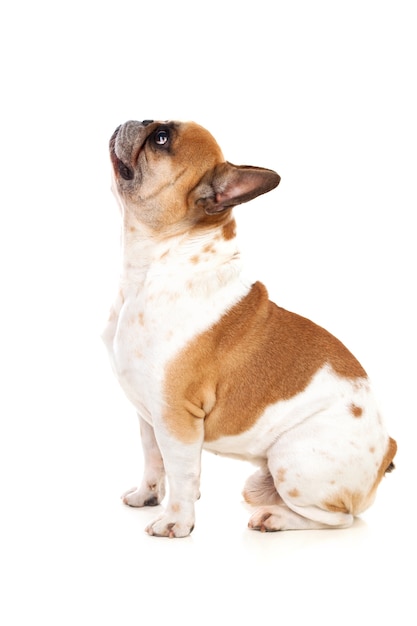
<point x="228" y="185"/>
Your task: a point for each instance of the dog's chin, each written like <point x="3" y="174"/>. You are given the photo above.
<point x="123" y="152"/>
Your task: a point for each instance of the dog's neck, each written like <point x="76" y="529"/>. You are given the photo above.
<point x="200" y="258"/>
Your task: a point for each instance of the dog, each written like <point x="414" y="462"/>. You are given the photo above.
<point x="209" y="362"/>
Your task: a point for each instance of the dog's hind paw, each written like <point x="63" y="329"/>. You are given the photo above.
<point x="265" y="521"/>
<point x="280" y="517"/>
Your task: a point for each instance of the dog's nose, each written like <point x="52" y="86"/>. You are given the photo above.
<point x="146" y="122"/>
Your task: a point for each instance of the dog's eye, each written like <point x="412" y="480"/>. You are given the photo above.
<point x="124" y="171"/>
<point x="161" y="137"/>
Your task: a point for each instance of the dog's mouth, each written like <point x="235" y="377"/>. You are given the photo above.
<point x="125" y="145"/>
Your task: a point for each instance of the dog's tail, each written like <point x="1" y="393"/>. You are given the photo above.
<point x="392" y="451"/>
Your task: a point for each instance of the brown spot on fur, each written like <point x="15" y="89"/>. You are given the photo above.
<point x="281" y="474"/>
<point x="209" y="248"/>
<point x="356" y="410"/>
<point x="294" y="493"/>
<point x="254" y="341"/>
<point x="195" y="259"/>
<point x="141" y="319"/>
<point x="372" y="450"/>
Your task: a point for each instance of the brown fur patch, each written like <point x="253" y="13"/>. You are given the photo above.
<point x="294" y="493"/>
<point x="229" y="230"/>
<point x="345" y="502"/>
<point x="256" y="355"/>
<point x="356" y="410"/>
<point x="387" y="465"/>
<point x="281" y="474"/>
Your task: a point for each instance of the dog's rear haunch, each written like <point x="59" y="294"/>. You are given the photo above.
<point x="208" y="361"/>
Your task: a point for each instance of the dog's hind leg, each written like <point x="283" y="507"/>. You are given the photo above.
<point x="323" y="482"/>
<point x="260" y="490"/>
<point x="274" y="514"/>
<point x="152" y="489"/>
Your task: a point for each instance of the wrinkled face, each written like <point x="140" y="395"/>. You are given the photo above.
<point x="156" y="167"/>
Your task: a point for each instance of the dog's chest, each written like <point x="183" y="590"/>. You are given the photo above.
<point x="140" y="340"/>
<point x="150" y="324"/>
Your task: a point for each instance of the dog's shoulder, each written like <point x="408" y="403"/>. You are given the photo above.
<point x="254" y="340"/>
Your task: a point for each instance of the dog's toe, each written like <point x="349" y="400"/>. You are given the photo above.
<point x="166" y="526"/>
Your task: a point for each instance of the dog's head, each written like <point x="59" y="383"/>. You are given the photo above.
<point x="172" y="175"/>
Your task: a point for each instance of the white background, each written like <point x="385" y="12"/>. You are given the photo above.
<point x="323" y="92"/>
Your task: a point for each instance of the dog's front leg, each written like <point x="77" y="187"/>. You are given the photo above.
<point x="182" y="464"/>
<point x="152" y="488"/>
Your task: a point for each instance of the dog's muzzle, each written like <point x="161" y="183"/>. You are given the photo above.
<point x="128" y="129"/>
<point x="125" y="145"/>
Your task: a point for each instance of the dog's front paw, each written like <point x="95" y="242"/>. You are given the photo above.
<point x="145" y="495"/>
<point x="171" y="525"/>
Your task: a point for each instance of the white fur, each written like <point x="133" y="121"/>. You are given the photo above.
<point x="176" y="299"/>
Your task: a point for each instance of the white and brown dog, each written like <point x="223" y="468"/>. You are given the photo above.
<point x="208" y="361"/>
